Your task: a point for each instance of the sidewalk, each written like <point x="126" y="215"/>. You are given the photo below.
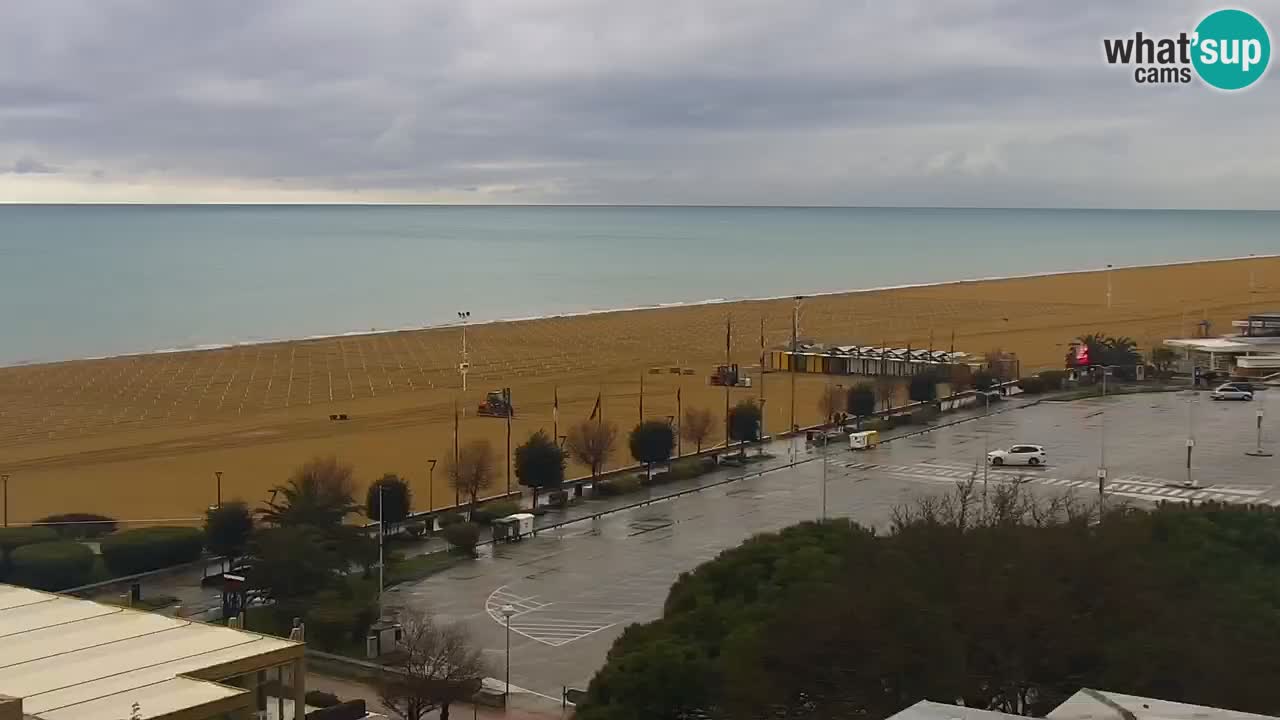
<point x="520" y="705"/>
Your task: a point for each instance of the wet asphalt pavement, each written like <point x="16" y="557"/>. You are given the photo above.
<point x="574" y="589"/>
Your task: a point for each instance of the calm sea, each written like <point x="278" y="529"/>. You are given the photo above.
<point x="79" y="281"/>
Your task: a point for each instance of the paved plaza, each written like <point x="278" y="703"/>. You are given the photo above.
<point x="574" y="589"/>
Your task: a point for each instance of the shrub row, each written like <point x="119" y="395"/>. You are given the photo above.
<point x="136" y="551"/>
<point x="463" y="536"/>
<point x="491" y="511"/>
<point x="334" y="621"/>
<point x="619" y="485"/>
<point x="683" y="469"/>
<point x="56" y="565"/>
<point x="79" y="526"/>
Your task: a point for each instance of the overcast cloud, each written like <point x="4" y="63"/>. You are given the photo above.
<point x="809" y="102"/>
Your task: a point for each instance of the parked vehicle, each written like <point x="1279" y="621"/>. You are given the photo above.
<point x="1018" y="455"/>
<point x="1232" y="391"/>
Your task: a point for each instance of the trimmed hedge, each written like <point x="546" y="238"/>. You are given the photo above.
<point x="452" y="518"/>
<point x="137" y="551"/>
<point x="620" y="485"/>
<point x="80" y="526"/>
<point x="463" y="536"/>
<point x="1053" y="379"/>
<point x="491" y="511"/>
<point x="334" y="622"/>
<point x="1032" y="385"/>
<point x="16" y="537"/>
<point x="56" y="565"/>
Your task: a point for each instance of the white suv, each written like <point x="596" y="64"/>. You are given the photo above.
<point x="1018" y="455"/>
<point x="1232" y="391"/>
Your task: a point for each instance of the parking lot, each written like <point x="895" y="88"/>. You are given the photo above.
<point x="574" y="590"/>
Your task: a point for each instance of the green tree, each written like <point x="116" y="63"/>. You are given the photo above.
<point x="540" y="464"/>
<point x="392" y="493"/>
<point x="227" y="530"/>
<point x="923" y="387"/>
<point x="744" y="422"/>
<point x="861" y="401"/>
<point x="291" y="564"/>
<point x="652" y="441"/>
<point x="984" y="380"/>
<point x="320" y="494"/>
<point x="963" y="599"/>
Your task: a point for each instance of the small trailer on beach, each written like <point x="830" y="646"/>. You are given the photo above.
<point x="865" y="440"/>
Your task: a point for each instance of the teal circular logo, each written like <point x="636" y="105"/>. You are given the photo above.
<point x="1232" y="49"/>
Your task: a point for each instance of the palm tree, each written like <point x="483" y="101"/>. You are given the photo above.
<point x="320" y="494"/>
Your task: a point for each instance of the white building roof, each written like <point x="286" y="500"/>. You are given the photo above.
<point x="72" y="658"/>
<point x="1090" y="704"/>
<point x="1233" y="344"/>
<point x="928" y="710"/>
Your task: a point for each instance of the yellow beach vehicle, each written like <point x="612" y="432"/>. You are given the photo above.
<point x="865" y="440"/>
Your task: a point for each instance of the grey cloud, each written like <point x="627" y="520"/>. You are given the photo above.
<point x="987" y="102"/>
<point x="28" y="166"/>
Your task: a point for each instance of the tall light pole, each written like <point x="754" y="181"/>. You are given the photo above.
<point x="4" y="488"/>
<point x="1102" y="442"/>
<point x="464" y="366"/>
<point x="431" y="487"/>
<point x="1108" y="286"/>
<point x="218" y="474"/>
<point x="1191" y="438"/>
<point x="507" y="612"/>
<point x="795" y="348"/>
<point x="382" y="533"/>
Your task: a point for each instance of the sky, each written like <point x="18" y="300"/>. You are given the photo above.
<point x="989" y="103"/>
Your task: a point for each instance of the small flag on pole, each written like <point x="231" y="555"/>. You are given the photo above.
<point x="595" y="410"/>
<point x="555" y="406"/>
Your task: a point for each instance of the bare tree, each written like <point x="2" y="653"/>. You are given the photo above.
<point x="474" y="470"/>
<point x="696" y="426"/>
<point x="831" y="402"/>
<point x="437" y="666"/>
<point x="591" y="443"/>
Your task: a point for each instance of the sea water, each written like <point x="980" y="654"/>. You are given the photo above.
<point x="78" y="281"/>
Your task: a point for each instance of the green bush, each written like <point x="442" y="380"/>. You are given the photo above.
<point x="1053" y="379"/>
<point x="16" y="537"/>
<point x="491" y="511"/>
<point x="80" y="526"/>
<point x="463" y="536"/>
<point x="136" y="551"/>
<point x="619" y="485"/>
<point x="56" y="565"/>
<point x="334" y="622"/>
<point x="689" y="468"/>
<point x="1032" y="385"/>
<point x="453" y="518"/>
<point x="922" y="415"/>
<point x="320" y="699"/>
<point x="414" y="529"/>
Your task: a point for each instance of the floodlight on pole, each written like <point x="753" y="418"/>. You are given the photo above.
<point x="464" y="365"/>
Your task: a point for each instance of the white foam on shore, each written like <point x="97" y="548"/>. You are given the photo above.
<point x="656" y="306"/>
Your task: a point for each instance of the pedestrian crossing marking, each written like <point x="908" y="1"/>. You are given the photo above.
<point x="549" y="623"/>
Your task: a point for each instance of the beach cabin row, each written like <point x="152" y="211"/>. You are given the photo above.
<point x="862" y="360"/>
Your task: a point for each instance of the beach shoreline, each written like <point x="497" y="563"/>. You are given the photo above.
<point x="141" y="436"/>
<point x="205" y="347"/>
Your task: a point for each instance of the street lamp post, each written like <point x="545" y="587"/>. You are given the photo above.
<point x="1191" y="438"/>
<point x="431" y="486"/>
<point x="507" y="612"/>
<point x="382" y="530"/>
<point x="218" y="474"/>
<point x="1102" y="442"/>
<point x="1108" y="286"/>
<point x="4" y="488"/>
<point x="1259" y="452"/>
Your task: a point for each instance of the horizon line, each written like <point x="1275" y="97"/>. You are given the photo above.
<point x="761" y="206"/>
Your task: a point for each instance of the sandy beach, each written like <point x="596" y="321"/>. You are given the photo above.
<point x="140" y="437"/>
